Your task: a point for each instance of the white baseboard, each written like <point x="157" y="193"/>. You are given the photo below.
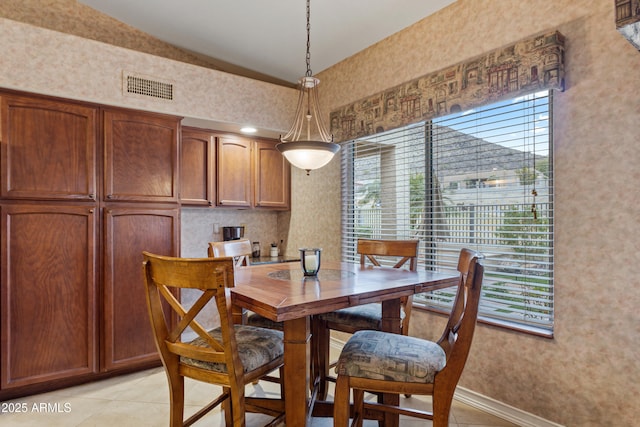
<point x="487" y="404"/>
<point x="501" y="410"/>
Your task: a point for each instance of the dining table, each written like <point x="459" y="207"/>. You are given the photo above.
<point x="281" y="292"/>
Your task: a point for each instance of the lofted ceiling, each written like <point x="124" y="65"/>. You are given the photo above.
<point x="269" y="36"/>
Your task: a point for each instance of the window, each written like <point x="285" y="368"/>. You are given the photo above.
<point x="480" y="179"/>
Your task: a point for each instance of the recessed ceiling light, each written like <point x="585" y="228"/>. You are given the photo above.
<point x="248" y="129"/>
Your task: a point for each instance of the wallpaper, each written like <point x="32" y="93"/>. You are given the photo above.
<point x="584" y="375"/>
<point x="73" y="67"/>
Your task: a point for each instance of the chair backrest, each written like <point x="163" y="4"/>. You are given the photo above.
<point x="406" y="250"/>
<point x="164" y="277"/>
<point x="240" y="250"/>
<point x="458" y="334"/>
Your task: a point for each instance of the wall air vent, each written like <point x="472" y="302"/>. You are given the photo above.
<point x="145" y="86"/>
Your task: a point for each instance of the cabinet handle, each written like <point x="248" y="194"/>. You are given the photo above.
<point x="92" y="196"/>
<point x="210" y="203"/>
<point x="90" y="210"/>
<point x="109" y="196"/>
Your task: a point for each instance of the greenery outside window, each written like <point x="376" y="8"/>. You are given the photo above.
<point x="480" y="179"/>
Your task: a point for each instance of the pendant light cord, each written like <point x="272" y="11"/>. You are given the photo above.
<point x="309" y="74"/>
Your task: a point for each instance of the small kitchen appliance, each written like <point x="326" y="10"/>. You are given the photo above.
<point x="232" y="233"/>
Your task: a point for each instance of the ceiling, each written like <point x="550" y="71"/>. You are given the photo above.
<point x="269" y="37"/>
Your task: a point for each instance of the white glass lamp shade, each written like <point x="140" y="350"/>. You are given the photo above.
<point x="308" y="155"/>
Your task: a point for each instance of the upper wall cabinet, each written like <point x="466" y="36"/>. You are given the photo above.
<point x="234" y="171"/>
<point x="140" y="156"/>
<point x="48" y="149"/>
<point x="197" y="168"/>
<point x="272" y="175"/>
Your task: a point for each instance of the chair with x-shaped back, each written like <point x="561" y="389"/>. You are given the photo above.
<point x="239" y="250"/>
<point x="230" y="356"/>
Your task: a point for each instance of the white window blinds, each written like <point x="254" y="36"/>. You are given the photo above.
<point x="384" y="188"/>
<point x="480" y="179"/>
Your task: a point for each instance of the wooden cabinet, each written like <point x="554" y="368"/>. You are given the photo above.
<point x="244" y="172"/>
<point x="128" y="340"/>
<point x="72" y="304"/>
<point x="197" y="167"/>
<point x="141" y="165"/>
<point x="140" y="156"/>
<point x="48" y="294"/>
<point x="272" y="176"/>
<point x="48" y="149"/>
<point x="234" y="171"/>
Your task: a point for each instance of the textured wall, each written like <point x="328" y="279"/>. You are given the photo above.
<point x="586" y="374"/>
<point x="53" y="63"/>
<point x="76" y="18"/>
<point x="314" y="220"/>
<point x="73" y="17"/>
<point x="197" y="228"/>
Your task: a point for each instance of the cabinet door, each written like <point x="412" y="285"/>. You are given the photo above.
<point x="141" y="156"/>
<point x="234" y="171"/>
<point x="128" y="340"/>
<point x="48" y="294"/>
<point x="197" y="167"/>
<point x="48" y="149"/>
<point x="272" y="176"/>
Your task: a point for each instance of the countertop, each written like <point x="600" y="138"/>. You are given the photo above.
<point x="273" y="260"/>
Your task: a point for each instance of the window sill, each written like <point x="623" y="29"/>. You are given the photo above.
<point x="511" y="326"/>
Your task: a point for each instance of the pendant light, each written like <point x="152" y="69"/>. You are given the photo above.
<point x="297" y="145"/>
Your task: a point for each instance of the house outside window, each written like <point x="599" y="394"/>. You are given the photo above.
<point x="480" y="179"/>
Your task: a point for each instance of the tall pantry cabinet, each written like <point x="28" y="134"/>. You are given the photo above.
<point x="140" y="213"/>
<point x="84" y="189"/>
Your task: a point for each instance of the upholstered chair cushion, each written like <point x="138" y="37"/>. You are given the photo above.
<point x="256" y="347"/>
<point x="392" y="357"/>
<point x="254" y="319"/>
<point x="366" y="316"/>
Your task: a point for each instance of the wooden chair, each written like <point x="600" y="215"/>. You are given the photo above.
<point x="362" y="317"/>
<point x="240" y="250"/>
<point x="230" y="356"/>
<point x="381" y="362"/>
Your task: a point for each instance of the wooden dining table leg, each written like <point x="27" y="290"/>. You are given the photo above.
<point x="320" y="362"/>
<point x="296" y="371"/>
<point x="391" y="323"/>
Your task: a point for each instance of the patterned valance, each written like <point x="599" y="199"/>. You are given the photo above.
<point x="523" y="67"/>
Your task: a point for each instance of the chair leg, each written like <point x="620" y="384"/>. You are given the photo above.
<point x="228" y="408"/>
<point x="237" y="406"/>
<point x="176" y="396"/>
<point x="281" y="370"/>
<point x="441" y="409"/>
<point x="358" y="407"/>
<point x="341" y="402"/>
<point x="405" y="332"/>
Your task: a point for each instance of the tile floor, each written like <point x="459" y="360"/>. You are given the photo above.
<point x="141" y="399"/>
